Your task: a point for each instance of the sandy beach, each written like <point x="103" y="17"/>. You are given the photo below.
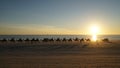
<point x="60" y="54"/>
<point x="59" y="33"/>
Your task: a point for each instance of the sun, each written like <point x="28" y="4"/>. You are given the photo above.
<point x="94" y="32"/>
<point x="94" y="29"/>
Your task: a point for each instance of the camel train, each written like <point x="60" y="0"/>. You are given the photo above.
<point x="51" y="40"/>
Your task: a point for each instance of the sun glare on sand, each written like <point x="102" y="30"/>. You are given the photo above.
<point x="94" y="32"/>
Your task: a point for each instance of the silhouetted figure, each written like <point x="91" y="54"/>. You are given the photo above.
<point x="4" y="40"/>
<point x="32" y="40"/>
<point x="105" y="40"/>
<point x="45" y="40"/>
<point x="70" y="40"/>
<point x="58" y="40"/>
<point x="76" y="39"/>
<point x="82" y="40"/>
<point x="27" y="40"/>
<point x="37" y="40"/>
<point x="51" y="40"/>
<point x="12" y="40"/>
<point x="20" y="40"/>
<point x="88" y="40"/>
<point x="64" y="40"/>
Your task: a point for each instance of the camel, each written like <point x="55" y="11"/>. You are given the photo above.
<point x="82" y="40"/>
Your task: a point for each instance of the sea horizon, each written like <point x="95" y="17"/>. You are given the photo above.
<point x="112" y="37"/>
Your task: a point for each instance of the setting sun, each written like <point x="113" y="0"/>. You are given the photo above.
<point x="94" y="32"/>
<point x="94" y="29"/>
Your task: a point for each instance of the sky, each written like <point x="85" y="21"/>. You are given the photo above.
<point x="59" y="16"/>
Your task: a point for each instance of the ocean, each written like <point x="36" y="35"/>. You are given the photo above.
<point x="111" y="37"/>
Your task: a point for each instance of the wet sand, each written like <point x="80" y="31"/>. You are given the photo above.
<point x="60" y="54"/>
